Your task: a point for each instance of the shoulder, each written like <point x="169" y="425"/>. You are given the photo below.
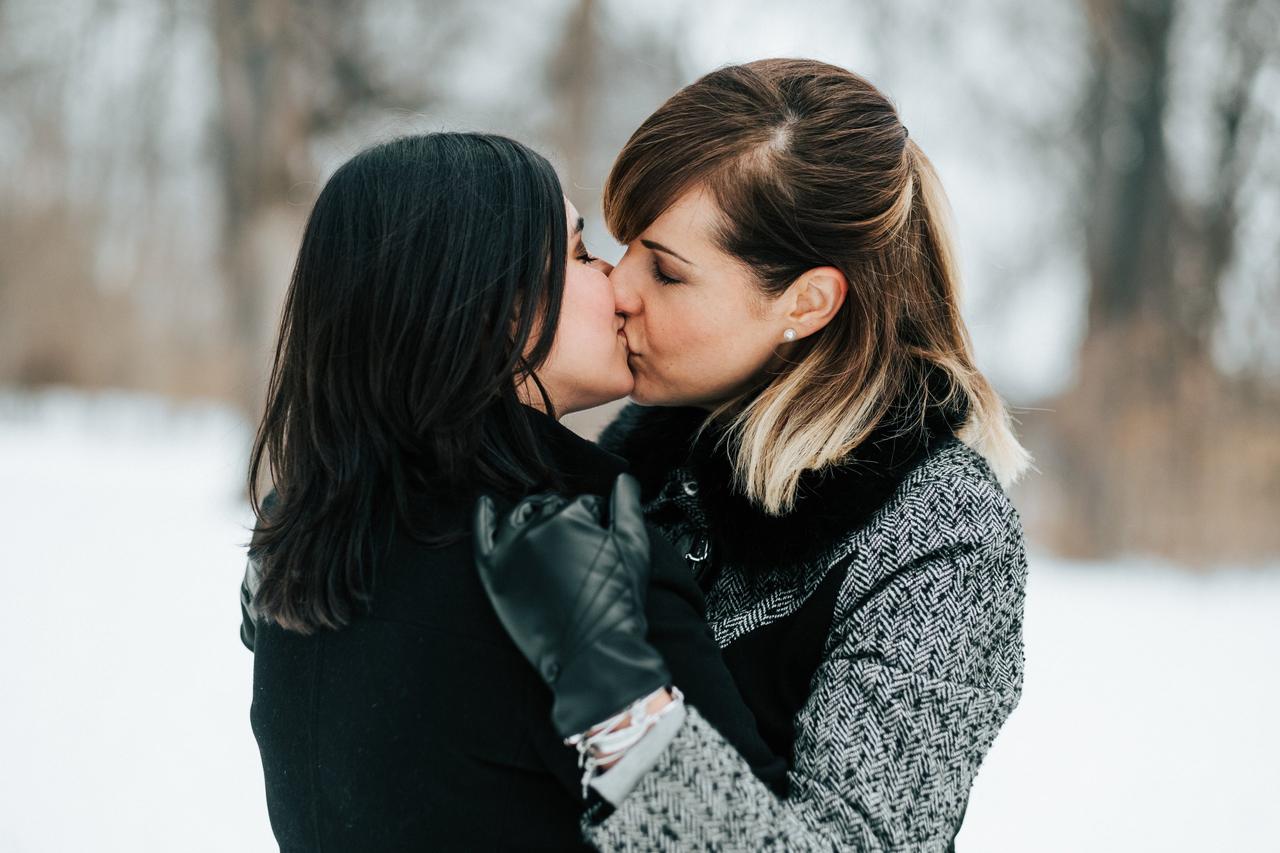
<point x="936" y="582"/>
<point x="952" y="499"/>
<point x="948" y="545"/>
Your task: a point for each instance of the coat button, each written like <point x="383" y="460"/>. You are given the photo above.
<point x="690" y="488"/>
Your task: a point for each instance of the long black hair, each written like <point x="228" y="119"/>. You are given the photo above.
<point x="427" y="285"/>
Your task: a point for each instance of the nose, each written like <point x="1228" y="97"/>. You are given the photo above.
<point x="626" y="299"/>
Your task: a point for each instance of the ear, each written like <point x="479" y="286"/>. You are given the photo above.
<point x="814" y="298"/>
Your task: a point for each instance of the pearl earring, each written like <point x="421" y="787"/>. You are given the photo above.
<point x="789" y="335"/>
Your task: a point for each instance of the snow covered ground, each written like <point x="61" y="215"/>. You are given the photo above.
<point x="1148" y="722"/>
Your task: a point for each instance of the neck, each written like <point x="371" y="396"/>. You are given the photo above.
<point x="529" y="394"/>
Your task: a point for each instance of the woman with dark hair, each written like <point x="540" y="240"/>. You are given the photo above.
<point x="443" y="312"/>
<point x="817" y="439"/>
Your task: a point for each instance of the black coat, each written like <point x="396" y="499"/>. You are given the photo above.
<point x="420" y="726"/>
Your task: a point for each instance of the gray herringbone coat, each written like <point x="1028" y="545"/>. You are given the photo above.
<point x="922" y="666"/>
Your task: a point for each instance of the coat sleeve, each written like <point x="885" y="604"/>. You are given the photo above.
<point x="676" y="613"/>
<point x="921" y="671"/>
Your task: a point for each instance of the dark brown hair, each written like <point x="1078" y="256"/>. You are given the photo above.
<point x="400" y="348"/>
<point x="811" y="166"/>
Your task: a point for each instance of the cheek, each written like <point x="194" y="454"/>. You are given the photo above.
<point x="689" y="330"/>
<point x="589" y="299"/>
<point x="587" y="324"/>
<point x="672" y="320"/>
<point x="700" y="349"/>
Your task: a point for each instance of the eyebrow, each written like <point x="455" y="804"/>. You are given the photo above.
<point x="577" y="228"/>
<point x="658" y="247"/>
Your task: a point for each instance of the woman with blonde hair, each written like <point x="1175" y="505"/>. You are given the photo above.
<point x="811" y="430"/>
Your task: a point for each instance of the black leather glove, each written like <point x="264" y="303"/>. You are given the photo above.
<point x="570" y="591"/>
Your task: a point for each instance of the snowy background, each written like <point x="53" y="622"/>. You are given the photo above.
<point x="1148" y="720"/>
<point x="158" y="159"/>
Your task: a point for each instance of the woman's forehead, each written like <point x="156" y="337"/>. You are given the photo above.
<point x="690" y="228"/>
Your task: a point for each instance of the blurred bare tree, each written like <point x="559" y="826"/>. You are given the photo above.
<point x="573" y="83"/>
<point x="288" y="73"/>
<point x="1156" y="449"/>
<point x="605" y="74"/>
<point x="158" y="159"/>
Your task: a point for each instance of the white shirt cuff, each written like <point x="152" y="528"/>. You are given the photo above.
<point x="621" y="779"/>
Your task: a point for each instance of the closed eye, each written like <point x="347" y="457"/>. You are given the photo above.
<point x="662" y="277"/>
<point x="580" y="248"/>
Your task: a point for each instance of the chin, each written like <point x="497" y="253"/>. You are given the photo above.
<point x="624" y="381"/>
<point x="643" y="393"/>
<point x="613" y="391"/>
<point x="652" y="394"/>
<point x="647" y="392"/>
<point x="627" y="388"/>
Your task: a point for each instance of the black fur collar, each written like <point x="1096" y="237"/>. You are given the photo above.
<point x="829" y="506"/>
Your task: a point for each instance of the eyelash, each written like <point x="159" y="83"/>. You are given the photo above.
<point x="663" y="279"/>
<point x="586" y="257"/>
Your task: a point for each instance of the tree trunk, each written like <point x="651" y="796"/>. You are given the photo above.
<point x="1154" y="450"/>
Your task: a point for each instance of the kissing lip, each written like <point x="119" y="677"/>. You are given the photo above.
<point x="622" y="332"/>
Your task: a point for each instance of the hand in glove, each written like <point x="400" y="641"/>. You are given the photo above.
<point x="570" y="591"/>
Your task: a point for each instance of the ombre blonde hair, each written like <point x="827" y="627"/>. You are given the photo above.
<point x="810" y="167"/>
